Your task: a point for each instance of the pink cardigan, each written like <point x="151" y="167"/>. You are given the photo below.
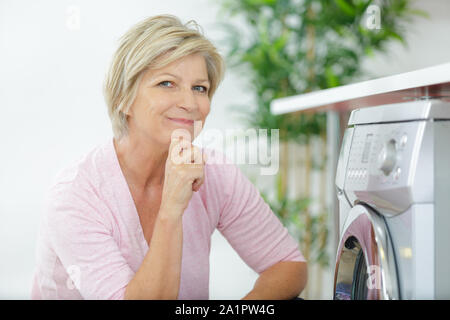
<point x="91" y="242"/>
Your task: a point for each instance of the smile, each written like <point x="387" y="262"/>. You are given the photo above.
<point x="185" y="122"/>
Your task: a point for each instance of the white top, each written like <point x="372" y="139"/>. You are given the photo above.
<point x="406" y="111"/>
<point x="439" y="74"/>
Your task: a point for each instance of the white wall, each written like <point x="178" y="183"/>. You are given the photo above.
<point x="428" y="43"/>
<point x="52" y="109"/>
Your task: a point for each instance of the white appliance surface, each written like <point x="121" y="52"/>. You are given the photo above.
<point x="392" y="182"/>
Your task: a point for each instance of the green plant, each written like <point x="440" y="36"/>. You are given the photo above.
<point x="289" y="47"/>
<point x="288" y="211"/>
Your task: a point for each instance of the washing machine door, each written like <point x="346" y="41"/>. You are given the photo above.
<point x="365" y="265"/>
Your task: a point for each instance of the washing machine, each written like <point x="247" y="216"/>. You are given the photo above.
<point x="393" y="187"/>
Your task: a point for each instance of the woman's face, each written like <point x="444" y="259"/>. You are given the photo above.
<point x="171" y="98"/>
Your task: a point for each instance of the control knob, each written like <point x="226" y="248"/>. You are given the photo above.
<point x="388" y="157"/>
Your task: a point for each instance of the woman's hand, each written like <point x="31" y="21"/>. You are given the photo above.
<point x="159" y="275"/>
<point x="184" y="174"/>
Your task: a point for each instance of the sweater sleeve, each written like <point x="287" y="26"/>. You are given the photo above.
<point x="250" y="226"/>
<point x="82" y="240"/>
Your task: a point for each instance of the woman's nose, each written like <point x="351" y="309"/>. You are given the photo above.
<point x="187" y="100"/>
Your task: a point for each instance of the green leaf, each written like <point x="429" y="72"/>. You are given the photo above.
<point x="323" y="47"/>
<point x="332" y="80"/>
<point x="262" y="2"/>
<point x="279" y="188"/>
<point x="418" y="12"/>
<point x="395" y="35"/>
<point x="346" y="7"/>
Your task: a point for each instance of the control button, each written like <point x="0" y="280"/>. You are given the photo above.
<point x="403" y="140"/>
<point x="397" y="173"/>
<point x="388" y="157"/>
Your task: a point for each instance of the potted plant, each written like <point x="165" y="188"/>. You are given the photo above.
<point x="291" y="47"/>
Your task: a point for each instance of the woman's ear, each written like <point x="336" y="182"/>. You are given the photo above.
<point x="127" y="112"/>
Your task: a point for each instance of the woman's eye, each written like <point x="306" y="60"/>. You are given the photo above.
<point x="201" y="89"/>
<point x="167" y="84"/>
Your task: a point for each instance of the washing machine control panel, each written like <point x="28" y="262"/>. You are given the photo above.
<point x="381" y="159"/>
<point x="387" y="159"/>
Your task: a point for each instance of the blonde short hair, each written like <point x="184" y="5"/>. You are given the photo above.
<point x="142" y="48"/>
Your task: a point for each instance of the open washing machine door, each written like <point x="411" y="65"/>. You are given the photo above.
<point x="365" y="264"/>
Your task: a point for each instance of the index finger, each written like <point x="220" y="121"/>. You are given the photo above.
<point x="178" y="135"/>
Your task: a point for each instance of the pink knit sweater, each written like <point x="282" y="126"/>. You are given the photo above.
<point x="91" y="242"/>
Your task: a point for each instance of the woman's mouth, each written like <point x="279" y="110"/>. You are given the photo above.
<point x="182" y="121"/>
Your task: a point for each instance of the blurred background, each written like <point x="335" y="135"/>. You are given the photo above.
<point x="54" y="55"/>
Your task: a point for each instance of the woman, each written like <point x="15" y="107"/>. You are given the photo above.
<point x="133" y="219"/>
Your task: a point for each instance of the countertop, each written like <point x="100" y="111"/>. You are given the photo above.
<point x="428" y="82"/>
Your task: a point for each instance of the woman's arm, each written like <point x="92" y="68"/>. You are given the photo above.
<point x="284" y="280"/>
<point x="260" y="239"/>
<point x="158" y="277"/>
